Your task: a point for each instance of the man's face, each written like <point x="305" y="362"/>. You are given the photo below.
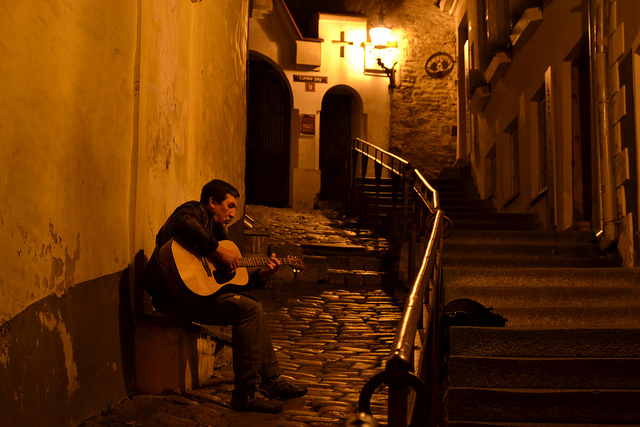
<point x="225" y="211"/>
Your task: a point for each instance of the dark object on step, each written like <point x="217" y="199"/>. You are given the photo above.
<point x="467" y="312"/>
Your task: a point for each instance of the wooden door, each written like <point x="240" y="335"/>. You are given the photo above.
<point x="335" y="135"/>
<point x="268" y="137"/>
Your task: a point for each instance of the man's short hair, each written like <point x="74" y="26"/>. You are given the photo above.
<point x="217" y="189"/>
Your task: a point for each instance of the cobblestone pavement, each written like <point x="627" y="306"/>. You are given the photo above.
<point x="330" y="339"/>
<point x="310" y="227"/>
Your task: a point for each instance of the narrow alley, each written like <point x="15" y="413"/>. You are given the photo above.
<point x="331" y="336"/>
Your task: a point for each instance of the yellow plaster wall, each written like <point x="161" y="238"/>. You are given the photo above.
<point x="111" y="114"/>
<point x="71" y="149"/>
<point x="66" y="78"/>
<point x="192" y="105"/>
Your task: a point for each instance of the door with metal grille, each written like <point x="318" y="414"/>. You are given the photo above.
<point x="268" y="136"/>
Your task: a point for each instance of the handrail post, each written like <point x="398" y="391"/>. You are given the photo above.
<point x="363" y="172"/>
<point x="376" y="210"/>
<point x="397" y="406"/>
<point x="424" y="304"/>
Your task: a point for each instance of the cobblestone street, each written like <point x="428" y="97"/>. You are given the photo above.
<point x="330" y="338"/>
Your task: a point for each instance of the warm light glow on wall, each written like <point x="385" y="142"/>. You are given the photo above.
<point x="373" y="51"/>
<point x="380" y="36"/>
<point x="388" y="57"/>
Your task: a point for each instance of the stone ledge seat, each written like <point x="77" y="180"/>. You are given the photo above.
<point x="173" y="355"/>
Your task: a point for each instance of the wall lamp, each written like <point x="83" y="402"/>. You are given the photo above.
<point x="380" y="39"/>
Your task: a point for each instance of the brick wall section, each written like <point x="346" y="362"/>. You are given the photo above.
<point x="423" y="109"/>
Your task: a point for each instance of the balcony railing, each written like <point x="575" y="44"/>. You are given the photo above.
<point x="412" y="368"/>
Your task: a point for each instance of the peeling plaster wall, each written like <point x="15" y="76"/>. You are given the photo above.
<point x="65" y="358"/>
<point x="193" y="101"/>
<point x="112" y="114"/>
<point x="66" y="108"/>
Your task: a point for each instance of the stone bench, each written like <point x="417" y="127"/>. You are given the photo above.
<point x="174" y="355"/>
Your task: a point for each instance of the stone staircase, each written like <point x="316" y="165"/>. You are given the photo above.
<point x="570" y="352"/>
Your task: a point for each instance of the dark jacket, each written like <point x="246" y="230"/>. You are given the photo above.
<point x="192" y="223"/>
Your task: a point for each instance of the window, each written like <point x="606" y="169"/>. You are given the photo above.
<point x="491" y="173"/>
<point x="542" y="144"/>
<point x="513" y="158"/>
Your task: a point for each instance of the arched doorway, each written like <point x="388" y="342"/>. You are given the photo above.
<point x="268" y="135"/>
<point x="340" y="123"/>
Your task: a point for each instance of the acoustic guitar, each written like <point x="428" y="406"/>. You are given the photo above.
<point x="184" y="267"/>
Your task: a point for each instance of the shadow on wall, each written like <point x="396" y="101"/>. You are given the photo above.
<point x="67" y="357"/>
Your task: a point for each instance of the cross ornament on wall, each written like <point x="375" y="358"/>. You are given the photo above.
<point x="342" y="42"/>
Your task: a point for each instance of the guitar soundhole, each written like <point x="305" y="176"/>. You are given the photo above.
<point x="222" y="276"/>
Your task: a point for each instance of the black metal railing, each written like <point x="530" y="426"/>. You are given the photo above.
<point x="412" y="367"/>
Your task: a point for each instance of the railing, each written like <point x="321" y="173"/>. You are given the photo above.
<point x="412" y="368"/>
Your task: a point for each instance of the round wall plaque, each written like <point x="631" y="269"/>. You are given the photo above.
<point x="439" y="65"/>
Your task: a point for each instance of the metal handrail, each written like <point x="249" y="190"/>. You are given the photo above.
<point x="425" y="294"/>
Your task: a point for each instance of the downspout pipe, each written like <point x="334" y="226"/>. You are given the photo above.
<point x="598" y="42"/>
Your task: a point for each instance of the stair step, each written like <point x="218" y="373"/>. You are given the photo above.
<point x="491" y="221"/>
<point x="450" y="210"/>
<point x="542" y="278"/>
<point x="443" y="181"/>
<point x="549" y="296"/>
<point x="508" y="237"/>
<point x="460" y="197"/>
<point x="545" y="342"/>
<point x="545" y="372"/>
<point x="544" y="406"/>
<point x="570" y="353"/>
<point x="570" y="317"/>
<point x="456" y="203"/>
<point x="452" y="261"/>
<point x="455" y="190"/>
<point x="533" y="250"/>
<point x="458" y="172"/>
<point x="574" y="295"/>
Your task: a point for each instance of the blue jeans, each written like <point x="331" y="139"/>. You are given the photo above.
<point x="254" y="359"/>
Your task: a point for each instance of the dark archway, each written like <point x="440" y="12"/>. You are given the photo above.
<point x="340" y="119"/>
<point x="268" y="136"/>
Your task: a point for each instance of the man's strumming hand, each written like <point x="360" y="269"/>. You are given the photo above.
<point x="226" y="257"/>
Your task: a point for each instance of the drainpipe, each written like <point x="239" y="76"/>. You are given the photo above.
<point x="598" y="41"/>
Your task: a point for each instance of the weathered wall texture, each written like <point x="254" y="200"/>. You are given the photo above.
<point x="66" y="108"/>
<point x="192" y="106"/>
<point x="112" y="113"/>
<point x="423" y="109"/>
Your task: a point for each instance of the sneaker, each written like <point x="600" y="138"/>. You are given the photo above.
<point x="280" y="388"/>
<point x="254" y="400"/>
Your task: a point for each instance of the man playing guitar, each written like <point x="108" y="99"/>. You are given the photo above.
<point x="200" y="226"/>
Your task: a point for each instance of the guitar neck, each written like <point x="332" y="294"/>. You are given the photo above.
<point x="257" y="261"/>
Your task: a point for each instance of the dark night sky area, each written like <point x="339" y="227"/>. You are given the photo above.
<point x="303" y="10"/>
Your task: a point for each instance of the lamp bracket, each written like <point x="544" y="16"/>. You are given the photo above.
<point x="390" y="72"/>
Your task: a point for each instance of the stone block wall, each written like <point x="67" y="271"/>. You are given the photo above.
<point x="423" y="108"/>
